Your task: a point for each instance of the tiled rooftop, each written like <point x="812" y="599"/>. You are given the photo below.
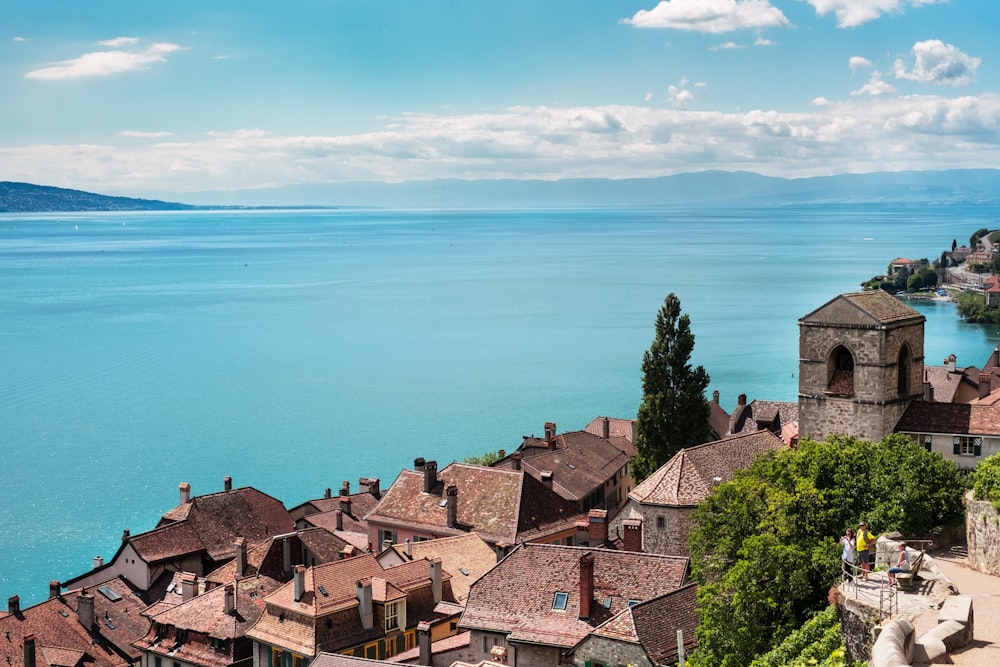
<point x="981" y="417"/>
<point x="875" y="306"/>
<point x="654" y="624"/>
<point x="465" y="557"/>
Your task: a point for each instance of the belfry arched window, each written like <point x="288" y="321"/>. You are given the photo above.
<point x="903" y="372"/>
<point x="841" y="372"/>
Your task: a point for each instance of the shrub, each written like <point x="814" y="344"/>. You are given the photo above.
<point x="986" y="480"/>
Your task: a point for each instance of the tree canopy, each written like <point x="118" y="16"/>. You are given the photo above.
<point x="764" y="545"/>
<point x="674" y="411"/>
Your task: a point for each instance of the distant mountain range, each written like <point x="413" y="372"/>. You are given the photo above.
<point x="968" y="186"/>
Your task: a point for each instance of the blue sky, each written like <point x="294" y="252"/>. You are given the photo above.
<point x="166" y="97"/>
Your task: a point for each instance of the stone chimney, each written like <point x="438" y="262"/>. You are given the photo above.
<point x="550" y="434"/>
<point x="597" y="527"/>
<point x="452" y="493"/>
<point x="345" y="488"/>
<point x="227" y="483"/>
<point x="984" y="384"/>
<point x="338" y="514"/>
<point x="29" y="651"/>
<point x="424" y="642"/>
<point x="188" y="586"/>
<point x="365" y="608"/>
<point x="741" y="400"/>
<point x="286" y="555"/>
<point x="515" y="460"/>
<point x="369" y="485"/>
<point x="85" y="609"/>
<point x="606" y="428"/>
<point x="715" y="396"/>
<point x="430" y="476"/>
<point x="14" y="605"/>
<point x="300" y="582"/>
<point x="345" y="504"/>
<point x="632" y="535"/>
<point x="546" y="476"/>
<point x="928" y="389"/>
<point x="230" y="600"/>
<point x="125" y="536"/>
<point x="951" y="362"/>
<point x="98" y="562"/>
<point x="54" y="589"/>
<point x="586" y="585"/>
<point x="241" y="556"/>
<point x="327" y="493"/>
<point x="437" y="579"/>
<point x="185" y="490"/>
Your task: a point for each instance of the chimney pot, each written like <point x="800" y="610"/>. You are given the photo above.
<point x="338" y="514"/>
<point x="98" y="562"/>
<point x="14" y="605"/>
<point x="515" y="460"/>
<point x="430" y="476"/>
<point x="54" y="589"/>
<point x="418" y="463"/>
<point x="586" y="585"/>
<point x="345" y="504"/>
<point x="300" y="582"/>
<point x="715" y="397"/>
<point x="125" y="535"/>
<point x="227" y="483"/>
<point x="741" y="399"/>
<point x="185" y="491"/>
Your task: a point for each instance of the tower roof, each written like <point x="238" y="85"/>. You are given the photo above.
<point x="875" y="308"/>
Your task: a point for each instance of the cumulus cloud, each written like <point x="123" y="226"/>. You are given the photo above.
<point x="710" y="16"/>
<point x="857" y="62"/>
<point x="760" y="41"/>
<point x="853" y="13"/>
<point x="144" y="135"/>
<point x="875" y="86"/>
<point x="861" y="133"/>
<point x="106" y="63"/>
<point x="937" y="62"/>
<point x="726" y="46"/>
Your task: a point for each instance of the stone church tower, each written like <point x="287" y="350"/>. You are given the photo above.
<point x="861" y="362"/>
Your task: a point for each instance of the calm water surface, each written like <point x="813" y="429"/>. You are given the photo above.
<point x="296" y="349"/>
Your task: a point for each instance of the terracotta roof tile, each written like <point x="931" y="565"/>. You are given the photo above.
<point x="980" y="417"/>
<point x="462" y="552"/>
<point x="167" y="542"/>
<point x="689" y="477"/>
<point x="517" y="596"/>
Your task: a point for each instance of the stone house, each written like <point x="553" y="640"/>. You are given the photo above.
<point x="541" y="600"/>
<point x="503" y="507"/>
<point x="645" y="634"/>
<point x="351" y="606"/>
<point x="197" y="536"/>
<point x="965" y="433"/>
<point x="87" y="627"/>
<point x="664" y="502"/>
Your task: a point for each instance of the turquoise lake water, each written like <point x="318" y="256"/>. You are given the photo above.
<point x="292" y="350"/>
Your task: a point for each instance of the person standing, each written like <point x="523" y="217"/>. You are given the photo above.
<point x="847" y="555"/>
<point x="866" y="544"/>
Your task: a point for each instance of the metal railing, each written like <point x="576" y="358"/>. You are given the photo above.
<point x="876" y="591"/>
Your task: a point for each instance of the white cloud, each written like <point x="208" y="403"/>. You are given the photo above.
<point x="679" y="97"/>
<point x="18" y="39"/>
<point x="875" y="86"/>
<point x="760" y="41"/>
<point x="710" y="16"/>
<point x="857" y="62"/>
<point x="726" y="46"/>
<point x="144" y="135"/>
<point x="853" y="13"/>
<point x="862" y="133"/>
<point x="937" y="62"/>
<point x="106" y="63"/>
<point x="649" y="96"/>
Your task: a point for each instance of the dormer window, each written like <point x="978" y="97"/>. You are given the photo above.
<point x="395" y="615"/>
<point x="559" y="601"/>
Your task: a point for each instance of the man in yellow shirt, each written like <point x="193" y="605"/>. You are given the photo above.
<point x="866" y="543"/>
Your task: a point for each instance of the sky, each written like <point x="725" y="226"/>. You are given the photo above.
<point x="167" y="97"/>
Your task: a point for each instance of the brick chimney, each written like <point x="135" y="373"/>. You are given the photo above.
<point x="29" y="651"/>
<point x="606" y="428"/>
<point x="229" y="606"/>
<point x="984" y="384"/>
<point x="54" y="589"/>
<point x="365" y="608"/>
<point x="85" y="609"/>
<point x="550" y="434"/>
<point x="437" y="580"/>
<point x="338" y="514"/>
<point x="632" y="534"/>
<point x="430" y="476"/>
<point x="300" y="582"/>
<point x="424" y="642"/>
<point x="586" y="585"/>
<point x="14" y="605"/>
<point x="241" y="556"/>
<point x="227" y="483"/>
<point x="597" y="527"/>
<point x="546" y="476"/>
<point x="185" y="490"/>
<point x="188" y="583"/>
<point x="515" y="460"/>
<point x="345" y="504"/>
<point x="452" y="493"/>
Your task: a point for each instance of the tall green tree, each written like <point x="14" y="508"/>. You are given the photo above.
<point x="674" y="411"/>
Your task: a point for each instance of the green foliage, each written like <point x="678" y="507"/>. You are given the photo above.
<point x="674" y="411"/>
<point x="994" y="236"/>
<point x="487" y="459"/>
<point x="764" y="546"/>
<point x="972" y="306"/>
<point x="816" y="640"/>
<point x="986" y="480"/>
<point x="974" y="239"/>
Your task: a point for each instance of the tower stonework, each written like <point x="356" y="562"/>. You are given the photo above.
<point x="861" y="362"/>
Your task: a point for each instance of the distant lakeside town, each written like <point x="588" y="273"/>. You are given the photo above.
<point x="552" y="554"/>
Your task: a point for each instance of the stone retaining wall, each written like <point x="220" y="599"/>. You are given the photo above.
<point x="982" y="531"/>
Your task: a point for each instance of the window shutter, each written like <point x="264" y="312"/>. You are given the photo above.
<point x="927" y="442"/>
<point x="957" y="441"/>
<point x="977" y="446"/>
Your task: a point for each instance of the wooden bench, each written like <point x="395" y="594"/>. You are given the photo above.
<point x="904" y="580"/>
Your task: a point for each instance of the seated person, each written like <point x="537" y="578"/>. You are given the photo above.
<point x="902" y="563"/>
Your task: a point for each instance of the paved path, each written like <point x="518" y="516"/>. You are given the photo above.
<point x="984" y="651"/>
